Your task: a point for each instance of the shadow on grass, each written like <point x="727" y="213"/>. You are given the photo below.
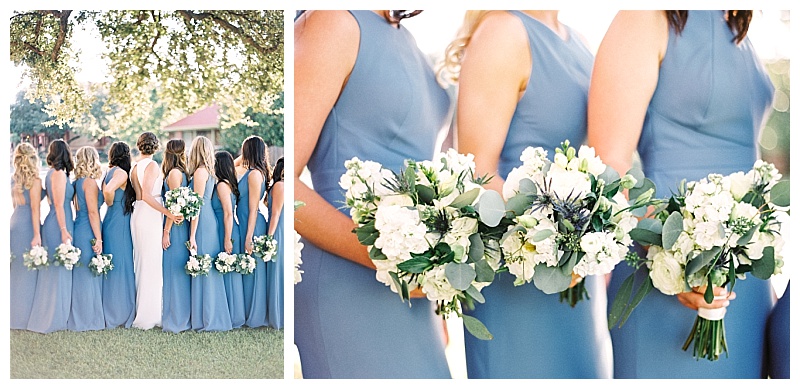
<point x="131" y="353"/>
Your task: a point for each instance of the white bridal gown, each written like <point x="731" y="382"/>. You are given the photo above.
<point x="146" y="225"/>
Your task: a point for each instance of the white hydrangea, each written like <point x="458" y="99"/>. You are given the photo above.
<point x="436" y="286"/>
<point x="400" y="232"/>
<point x="602" y="254"/>
<point x="533" y="162"/>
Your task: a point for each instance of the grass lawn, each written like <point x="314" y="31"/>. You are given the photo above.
<point x="131" y="353"/>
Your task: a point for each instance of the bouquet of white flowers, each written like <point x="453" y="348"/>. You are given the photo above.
<point x="245" y="264"/>
<point x="421" y="228"/>
<point x="265" y="247"/>
<point x="101" y="264"/>
<point x="225" y="263"/>
<point x="183" y="201"/>
<point x="710" y="233"/>
<point x="298" y="249"/>
<point x="197" y="265"/>
<point x="35" y="258"/>
<point x="568" y="219"/>
<point x="67" y="255"/>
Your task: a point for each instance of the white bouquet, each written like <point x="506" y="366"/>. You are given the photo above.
<point x="298" y="249"/>
<point x="183" y="201"/>
<point x="225" y="263"/>
<point x="35" y="258"/>
<point x="67" y="255"/>
<point x="711" y="233"/>
<point x="197" y="265"/>
<point x="265" y="247"/>
<point x="101" y="264"/>
<point x="567" y="219"/>
<point x="421" y="228"/>
<point x="245" y="264"/>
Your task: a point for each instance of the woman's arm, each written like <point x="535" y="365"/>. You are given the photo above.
<point x="150" y="175"/>
<point x="91" y="192"/>
<point x="59" y="181"/>
<point x="118" y="179"/>
<point x="200" y="177"/>
<point x="224" y="194"/>
<point x="494" y="75"/>
<point x="36" y="205"/>
<point x="277" y="207"/>
<point x="325" y="50"/>
<point x="174" y="180"/>
<point x="254" y="182"/>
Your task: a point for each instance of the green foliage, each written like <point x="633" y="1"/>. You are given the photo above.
<point x="268" y="125"/>
<point x="30" y="117"/>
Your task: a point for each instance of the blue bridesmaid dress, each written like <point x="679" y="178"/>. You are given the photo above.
<point x="86" y="313"/>
<point x="778" y="338"/>
<point x="52" y="298"/>
<point x="209" y="303"/>
<point x="177" y="285"/>
<point x="22" y="280"/>
<point x="275" y="273"/>
<point x="233" y="280"/>
<point x="254" y="284"/>
<point x="704" y="117"/>
<point x="347" y="324"/>
<point x="119" y="287"/>
<point x="536" y="335"/>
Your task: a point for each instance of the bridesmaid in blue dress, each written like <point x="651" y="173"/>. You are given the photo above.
<point x="119" y="286"/>
<point x="274" y="202"/>
<point x="524" y="80"/>
<point x="687" y="91"/>
<point x="778" y="338"/>
<point x="223" y="200"/>
<point x="86" y="311"/>
<point x="25" y="226"/>
<point x="363" y="89"/>
<point x="209" y="302"/>
<point x="252" y="187"/>
<point x="177" y="285"/>
<point x="52" y="298"/>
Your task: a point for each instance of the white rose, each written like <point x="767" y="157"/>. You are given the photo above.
<point x="592" y="242"/>
<point x="740" y="184"/>
<point x="665" y="271"/>
<point x="400" y="200"/>
<point x="568" y="183"/>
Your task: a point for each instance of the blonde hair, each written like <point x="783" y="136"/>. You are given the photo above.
<point x="450" y="68"/>
<point x="201" y="154"/>
<point x="26" y="166"/>
<point x="87" y="163"/>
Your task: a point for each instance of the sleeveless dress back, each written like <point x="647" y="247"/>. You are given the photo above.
<point x="778" y="338"/>
<point x="275" y="272"/>
<point x="209" y="303"/>
<point x="233" y="280"/>
<point x="119" y="287"/>
<point x="52" y="298"/>
<point x="22" y="280"/>
<point x="254" y="284"/>
<point x="147" y="252"/>
<point x="554" y="339"/>
<point x="177" y="285"/>
<point x="348" y="324"/>
<point x="86" y="313"/>
<point x="704" y="117"/>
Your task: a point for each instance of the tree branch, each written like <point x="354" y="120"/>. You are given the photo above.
<point x="250" y="41"/>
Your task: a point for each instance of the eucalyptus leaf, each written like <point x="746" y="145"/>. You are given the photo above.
<point x="765" y="266"/>
<point x="673" y="227"/>
<point x="519" y="203"/>
<point x="513" y="231"/>
<point x="639" y="212"/>
<point x="527" y="186"/>
<point x="549" y="279"/>
<point x="638" y="174"/>
<point x="483" y="271"/>
<point x="425" y="194"/>
<point x="745" y="239"/>
<point x="466" y="198"/>
<point x="779" y="194"/>
<point x="376" y="254"/>
<point x="620" y="301"/>
<point x="475" y="294"/>
<point x="415" y="265"/>
<point x="459" y="275"/>
<point x="653" y="225"/>
<point x="572" y="260"/>
<point x="476" y="248"/>
<point x="701" y="260"/>
<point x="609" y="175"/>
<point x="641" y="188"/>
<point x="491" y="208"/>
<point x="645" y="237"/>
<point x="476" y="328"/>
<point x="541" y="235"/>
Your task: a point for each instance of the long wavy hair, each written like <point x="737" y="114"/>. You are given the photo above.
<point x="738" y="22"/>
<point x="201" y="154"/>
<point x="255" y="155"/>
<point x="174" y="157"/>
<point x="87" y="163"/>
<point x="277" y="173"/>
<point x="119" y="155"/>
<point x="226" y="171"/>
<point x="449" y="68"/>
<point x="26" y="166"/>
<point x="59" y="157"/>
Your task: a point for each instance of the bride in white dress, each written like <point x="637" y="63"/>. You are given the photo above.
<point x="146" y="226"/>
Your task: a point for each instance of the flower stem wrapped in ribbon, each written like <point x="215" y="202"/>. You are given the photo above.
<point x="421" y="226"/>
<point x="711" y="233"/>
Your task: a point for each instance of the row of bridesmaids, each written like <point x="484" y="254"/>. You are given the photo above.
<point x="148" y="286"/>
<point x="683" y="88"/>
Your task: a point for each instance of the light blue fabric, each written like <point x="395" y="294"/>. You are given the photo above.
<point x="209" y="302"/>
<point x="119" y="287"/>
<point x="347" y="324"/>
<point x="233" y="280"/>
<point x="52" y="298"/>
<point x="704" y="117"/>
<point x="86" y="312"/>
<point x="536" y="335"/>
<point x="176" y="310"/>
<point x="275" y="273"/>
<point x="254" y="284"/>
<point x="22" y="280"/>
<point x="778" y="338"/>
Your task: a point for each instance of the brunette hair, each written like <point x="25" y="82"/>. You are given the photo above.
<point x="277" y="172"/>
<point x="254" y="155"/>
<point x="59" y="157"/>
<point x="174" y="157"/>
<point x="147" y="143"/>
<point x="119" y="155"/>
<point x="738" y="22"/>
<point x="225" y="171"/>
